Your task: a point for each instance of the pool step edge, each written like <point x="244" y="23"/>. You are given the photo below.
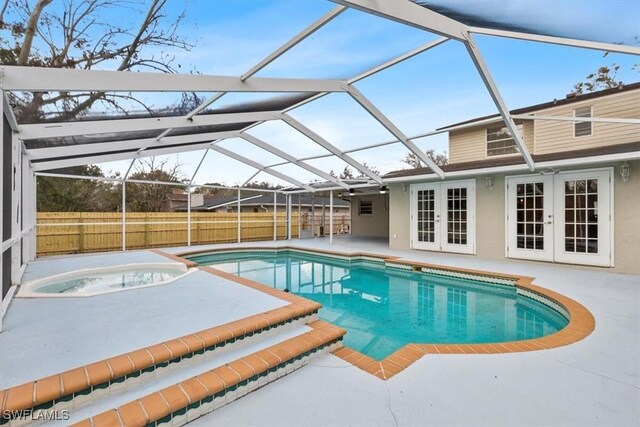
<point x="190" y="399"/>
<point x="79" y="386"/>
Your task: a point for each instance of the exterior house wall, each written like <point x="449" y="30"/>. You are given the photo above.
<point x="470" y="144"/>
<point x="399" y="220"/>
<point x="491" y="218"/>
<point x="553" y="136"/>
<point x="548" y="136"/>
<point x="374" y="225"/>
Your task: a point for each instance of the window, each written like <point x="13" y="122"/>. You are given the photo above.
<point x="365" y="207"/>
<point x="582" y="128"/>
<point x="500" y="141"/>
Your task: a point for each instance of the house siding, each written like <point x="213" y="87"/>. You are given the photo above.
<point x="491" y="218"/>
<point x="553" y="136"/>
<point x="471" y="144"/>
<point x="547" y="136"/>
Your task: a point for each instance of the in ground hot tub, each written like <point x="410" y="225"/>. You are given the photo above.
<point x="98" y="281"/>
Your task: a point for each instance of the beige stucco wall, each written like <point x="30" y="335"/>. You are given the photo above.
<point x="376" y="225"/>
<point x="626" y="215"/>
<point x="399" y="206"/>
<point x="546" y="136"/>
<point x="490" y="219"/>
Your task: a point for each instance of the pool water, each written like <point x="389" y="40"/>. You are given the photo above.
<point x="383" y="309"/>
<point x="108" y="281"/>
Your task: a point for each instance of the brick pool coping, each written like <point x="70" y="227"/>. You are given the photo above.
<point x="581" y="321"/>
<point x="62" y="387"/>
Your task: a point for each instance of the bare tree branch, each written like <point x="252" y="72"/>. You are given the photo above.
<point x="30" y="33"/>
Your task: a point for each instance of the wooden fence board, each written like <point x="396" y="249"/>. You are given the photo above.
<point x="102" y="231"/>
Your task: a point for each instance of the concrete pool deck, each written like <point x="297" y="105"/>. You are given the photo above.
<point x="592" y="382"/>
<point x="44" y="336"/>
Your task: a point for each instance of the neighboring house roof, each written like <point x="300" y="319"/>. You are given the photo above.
<point x="549" y="104"/>
<point x="516" y="160"/>
<point x="267" y="200"/>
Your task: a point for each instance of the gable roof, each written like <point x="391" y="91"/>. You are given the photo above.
<point x="517" y="160"/>
<point x="555" y="103"/>
<point x="267" y="200"/>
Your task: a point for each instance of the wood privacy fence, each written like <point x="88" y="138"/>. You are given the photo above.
<point x="80" y="232"/>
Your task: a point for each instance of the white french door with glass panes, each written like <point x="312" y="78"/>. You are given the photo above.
<point x="443" y="216"/>
<point x="530" y="217"/>
<point x="564" y="217"/>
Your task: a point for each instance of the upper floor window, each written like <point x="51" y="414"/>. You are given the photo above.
<point x="582" y="128"/>
<point x="500" y="141"/>
<point x="365" y="207"/>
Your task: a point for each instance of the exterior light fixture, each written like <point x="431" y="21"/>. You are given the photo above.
<point x="384" y="189"/>
<point x="352" y="192"/>
<point x="489" y="182"/>
<point x="404" y="188"/>
<point x="625" y="172"/>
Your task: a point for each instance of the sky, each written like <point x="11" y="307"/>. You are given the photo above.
<point x="434" y="89"/>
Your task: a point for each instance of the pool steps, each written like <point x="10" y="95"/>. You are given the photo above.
<point x="134" y="388"/>
<point x="326" y="337"/>
<point x="189" y="399"/>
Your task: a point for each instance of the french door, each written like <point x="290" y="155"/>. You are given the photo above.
<point x="564" y="217"/>
<point x="443" y="216"/>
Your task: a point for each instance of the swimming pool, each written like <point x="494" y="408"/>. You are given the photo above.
<point x="384" y="308"/>
<point x="97" y="281"/>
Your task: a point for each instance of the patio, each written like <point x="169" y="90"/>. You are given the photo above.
<point x="600" y="374"/>
<point x="154" y="355"/>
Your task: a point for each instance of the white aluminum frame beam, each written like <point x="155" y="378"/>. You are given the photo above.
<point x="266" y="61"/>
<point x="365" y="147"/>
<point x="563" y="41"/>
<point x="195" y="172"/>
<point x="485" y="74"/>
<point x="398" y="59"/>
<point x="131" y="144"/>
<point x="330" y="147"/>
<point x="7" y="110"/>
<point x="376" y="69"/>
<point x="577" y="119"/>
<point x="322" y="21"/>
<point x="290" y="159"/>
<point x="260" y="167"/>
<point x="55" y="130"/>
<point x="101" y="158"/>
<point x="141" y="181"/>
<point x="394" y="130"/>
<point x="37" y="79"/>
<point x="411" y="14"/>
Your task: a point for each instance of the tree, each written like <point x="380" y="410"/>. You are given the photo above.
<point x="439" y="159"/>
<point x="79" y="35"/>
<point x="152" y="197"/>
<point x="346" y="173"/>
<point x="603" y="78"/>
<point x="215" y="192"/>
<point x="76" y="195"/>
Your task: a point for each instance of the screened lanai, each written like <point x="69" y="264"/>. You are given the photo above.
<point x="226" y="116"/>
